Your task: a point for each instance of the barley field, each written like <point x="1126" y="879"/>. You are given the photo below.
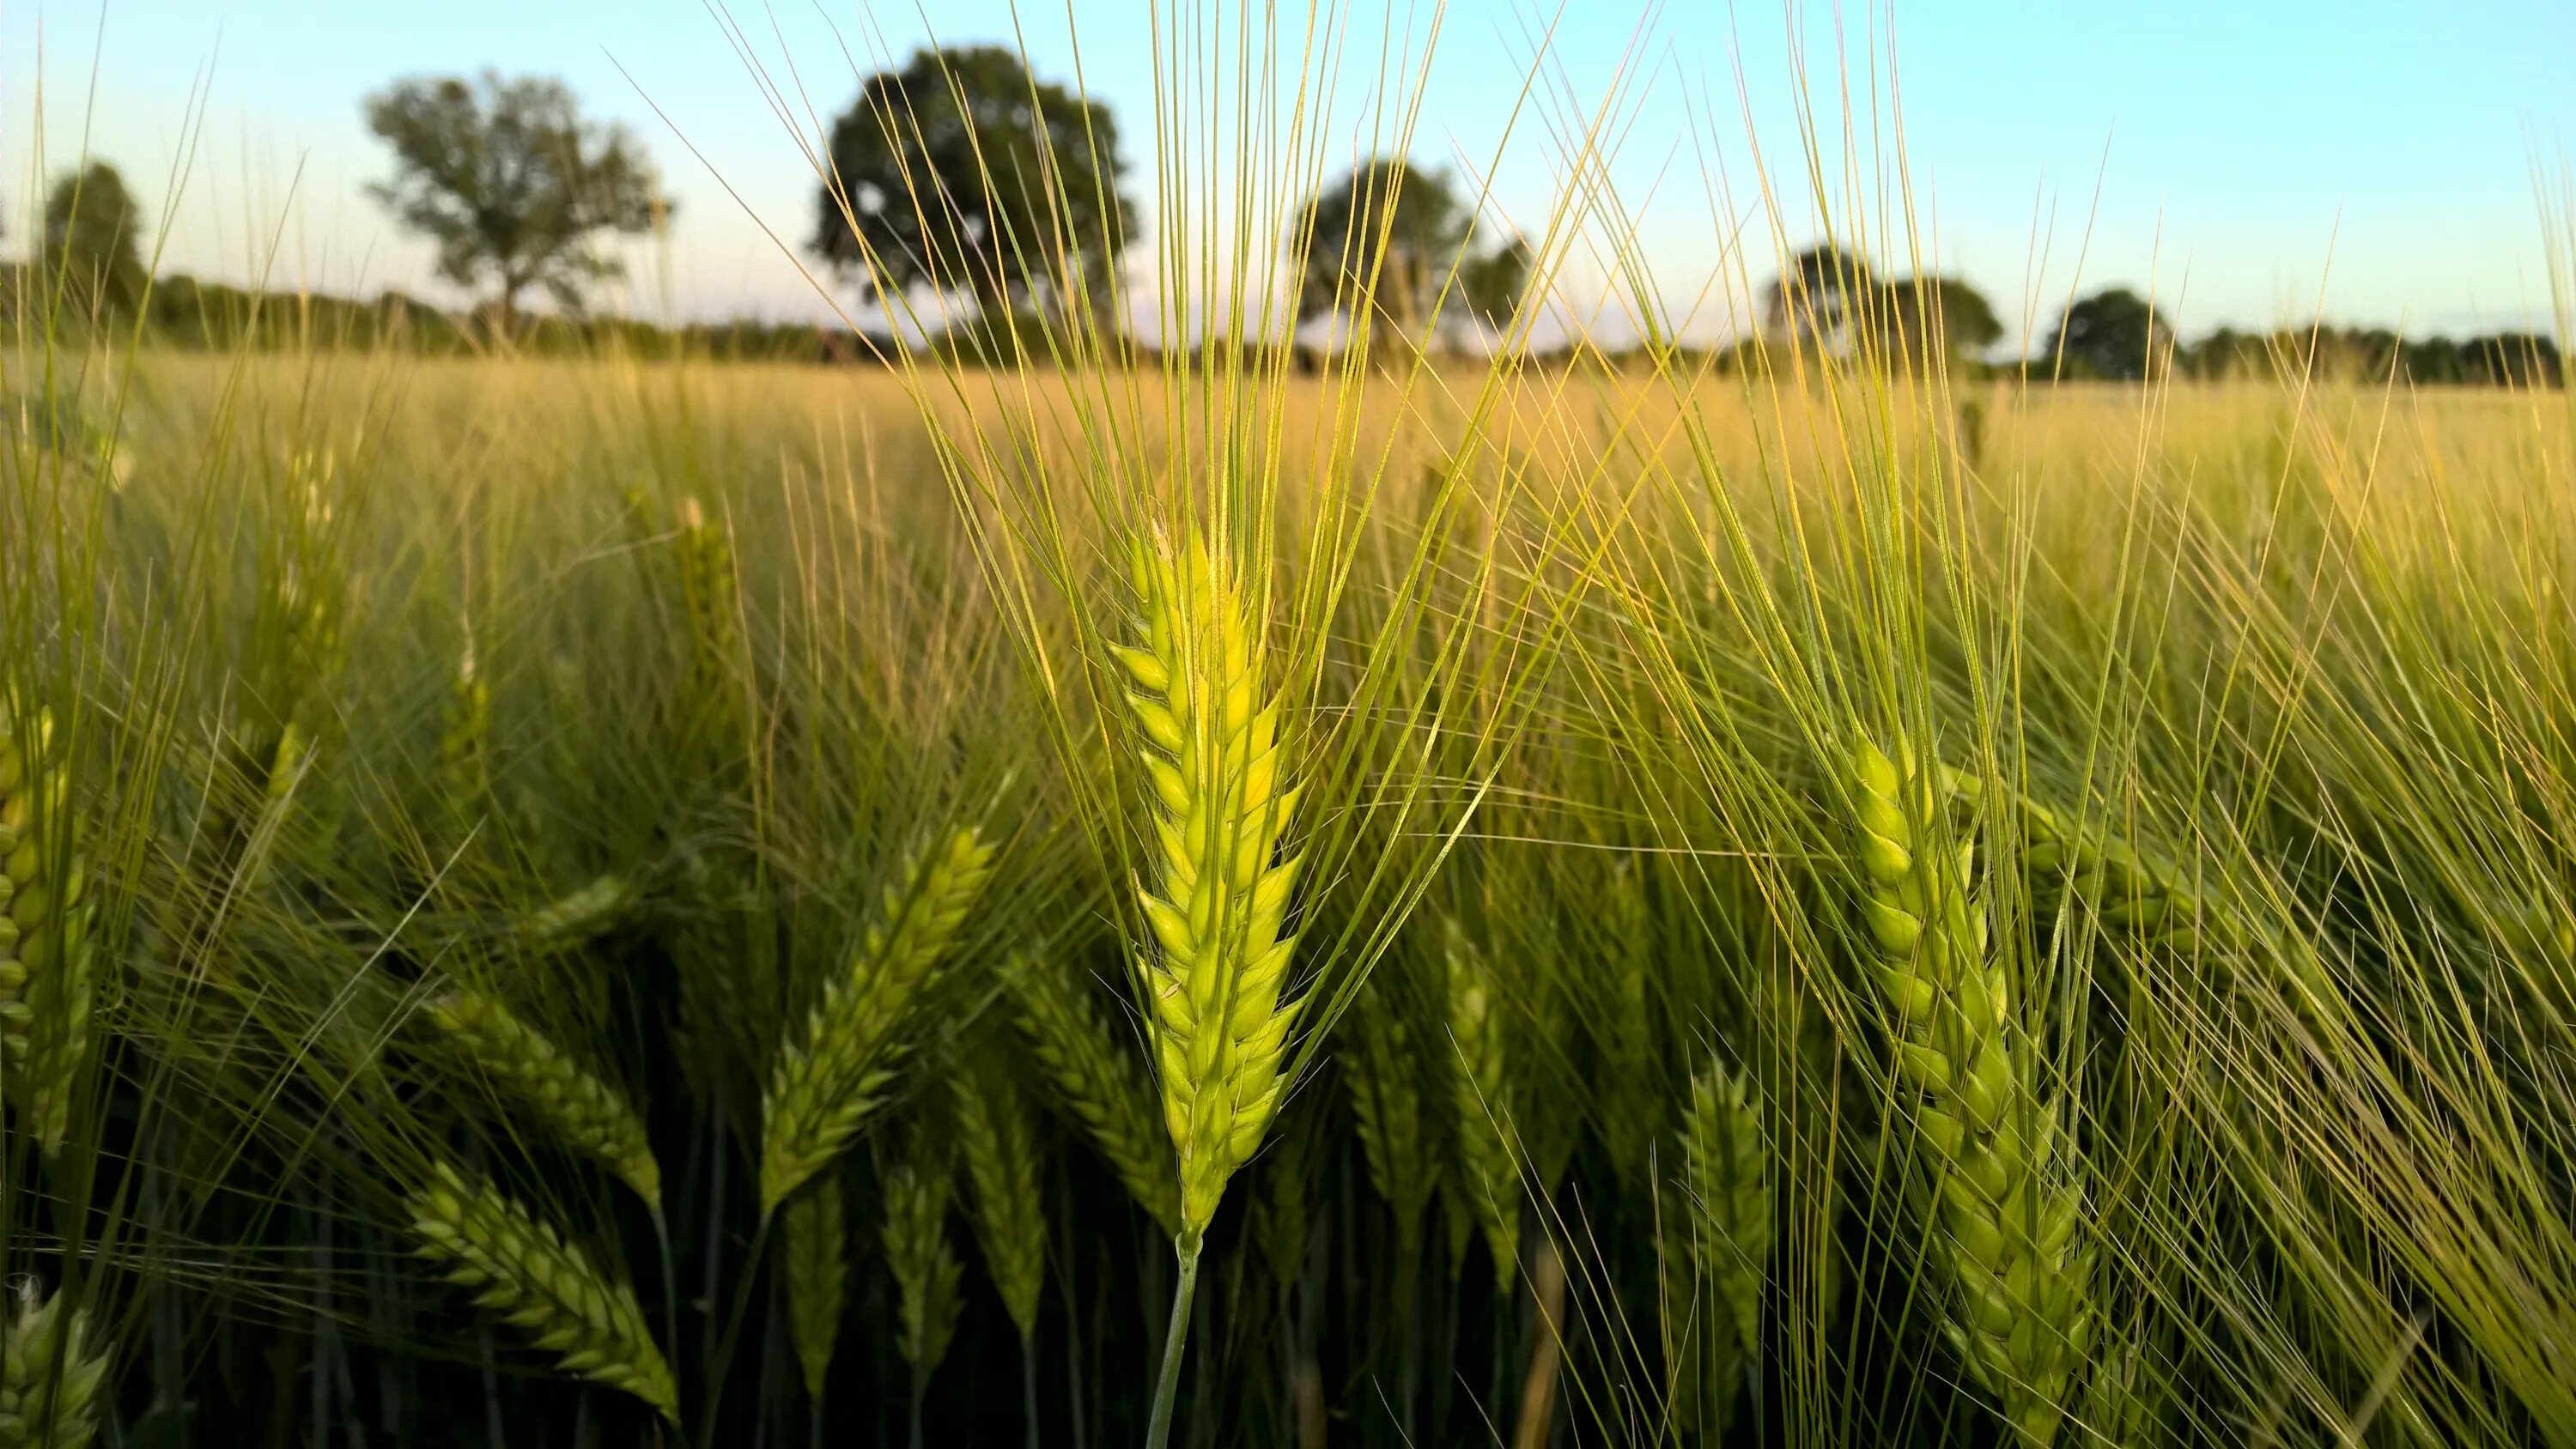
<point x="604" y="902"/>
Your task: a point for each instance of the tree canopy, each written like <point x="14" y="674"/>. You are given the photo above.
<point x="511" y="184"/>
<point x="1935" y="318"/>
<point x="93" y="234"/>
<point x="1389" y="238"/>
<point x="2115" y="334"/>
<point x="961" y="172"/>
<point x="1816" y="295"/>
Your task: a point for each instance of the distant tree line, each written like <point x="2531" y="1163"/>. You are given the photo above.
<point x="960" y="182"/>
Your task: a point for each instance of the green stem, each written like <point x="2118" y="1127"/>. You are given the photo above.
<point x="1158" y="1430"/>
<point x="1029" y="1384"/>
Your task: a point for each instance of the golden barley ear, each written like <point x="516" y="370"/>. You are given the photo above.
<point x="2004" y="1194"/>
<point x="52" y="1373"/>
<point x="814" y="1261"/>
<point x="836" y="1072"/>
<point x="1099" y="1086"/>
<point x="1217" y="892"/>
<point x="1000" y="1145"/>
<point x="48" y="964"/>
<point x="585" y="1113"/>
<point x="523" y="1270"/>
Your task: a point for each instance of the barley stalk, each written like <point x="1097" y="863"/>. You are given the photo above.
<point x="1218" y="897"/>
<point x="585" y="1113"/>
<point x="51" y="1373"/>
<point x="1479" y="1101"/>
<point x="48" y="976"/>
<point x="826" y="1083"/>
<point x="814" y="1236"/>
<point x="1101" y="1087"/>
<point x="2003" y="1202"/>
<point x="524" y="1271"/>
<point x="1000" y="1145"/>
<point x="1723" y="1210"/>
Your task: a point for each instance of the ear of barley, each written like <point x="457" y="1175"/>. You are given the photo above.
<point x="584" y="1113"/>
<point x="1479" y="1102"/>
<point x="1100" y="1086"/>
<point x="1633" y="1110"/>
<point x="574" y="920"/>
<point x="2004" y="1197"/>
<point x="48" y="975"/>
<point x="925" y="1268"/>
<point x="1722" y="1216"/>
<point x="2151" y="898"/>
<point x="522" y="1270"/>
<point x="464" y="772"/>
<point x="1218" y="891"/>
<point x="814" y="1239"/>
<point x="1380" y="1069"/>
<point x="708" y="593"/>
<point x="830" y="1078"/>
<point x="1000" y="1146"/>
<point x="51" y="1373"/>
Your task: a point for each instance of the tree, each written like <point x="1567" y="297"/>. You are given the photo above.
<point x="93" y="234"/>
<point x="961" y="172"/>
<point x="2116" y="334"/>
<point x="1491" y="282"/>
<point x="512" y="184"/>
<point x="1934" y="319"/>
<point x="1814" y="296"/>
<point x="1389" y="237"/>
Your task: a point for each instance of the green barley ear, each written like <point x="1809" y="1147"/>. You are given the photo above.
<point x="917" y="1252"/>
<point x="814" y="1259"/>
<point x="1380" y="1068"/>
<point x="2004" y="1199"/>
<point x="1479" y="1103"/>
<point x="1721" y="1216"/>
<point x="524" y="1271"/>
<point x="464" y="770"/>
<point x="585" y="1113"/>
<point x="2153" y="900"/>
<point x="1217" y="897"/>
<point x="1634" y="1092"/>
<point x="1000" y="1145"/>
<point x="1100" y="1086"/>
<point x="51" y="1373"/>
<point x="827" y="1082"/>
<point x="576" y="919"/>
<point x="48" y="976"/>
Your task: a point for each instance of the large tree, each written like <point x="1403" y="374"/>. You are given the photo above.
<point x="1388" y="239"/>
<point x="1817" y="295"/>
<point x="961" y="172"/>
<point x="93" y="236"/>
<point x="2116" y="334"/>
<point x="512" y="184"/>
<point x="1935" y="319"/>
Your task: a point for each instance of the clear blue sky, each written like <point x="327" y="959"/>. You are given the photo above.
<point x="2236" y="147"/>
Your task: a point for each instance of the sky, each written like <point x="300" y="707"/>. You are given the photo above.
<point x="2248" y="163"/>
